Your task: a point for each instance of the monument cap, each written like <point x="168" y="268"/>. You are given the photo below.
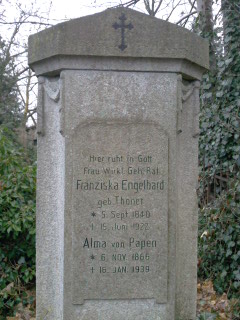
<point x="118" y="32"/>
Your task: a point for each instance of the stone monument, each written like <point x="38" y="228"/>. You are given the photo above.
<point x="118" y="108"/>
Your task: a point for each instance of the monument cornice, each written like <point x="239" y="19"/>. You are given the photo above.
<point x="54" y="65"/>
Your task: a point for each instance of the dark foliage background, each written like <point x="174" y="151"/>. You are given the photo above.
<point x="17" y="223"/>
<point x="219" y="146"/>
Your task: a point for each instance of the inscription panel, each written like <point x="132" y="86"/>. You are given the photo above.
<point x="120" y="212"/>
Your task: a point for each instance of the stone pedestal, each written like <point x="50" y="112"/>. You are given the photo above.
<point x="118" y="109"/>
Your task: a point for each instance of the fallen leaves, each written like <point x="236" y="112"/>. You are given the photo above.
<point x="25" y="312"/>
<point x="8" y="288"/>
<point x="210" y="306"/>
<point x="19" y="317"/>
<point x="213" y="307"/>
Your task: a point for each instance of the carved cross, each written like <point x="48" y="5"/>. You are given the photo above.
<point x="122" y="26"/>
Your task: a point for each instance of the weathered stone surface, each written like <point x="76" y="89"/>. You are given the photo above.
<point x="120" y="206"/>
<point x="119" y="103"/>
<point x="96" y="36"/>
<point x="50" y="207"/>
<point x="132" y="102"/>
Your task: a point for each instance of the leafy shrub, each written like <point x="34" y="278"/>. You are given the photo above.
<point x="219" y="143"/>
<point x="219" y="242"/>
<point x="10" y="106"/>
<point x="17" y="222"/>
<point x="219" y="146"/>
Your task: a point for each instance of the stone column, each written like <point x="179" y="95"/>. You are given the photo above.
<point x="118" y="133"/>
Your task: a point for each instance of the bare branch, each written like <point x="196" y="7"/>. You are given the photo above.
<point x="186" y="21"/>
<point x="18" y="54"/>
<point x="26" y="22"/>
<point x="192" y="3"/>
<point x="20" y="93"/>
<point x="34" y="121"/>
<point x="128" y="3"/>
<point x="146" y="3"/>
<point x="7" y="53"/>
<point x="26" y="110"/>
<point x="173" y="10"/>
<point x="32" y="112"/>
<point x="187" y="16"/>
<point x="217" y="16"/>
<point x="158" y="7"/>
<point x="21" y="72"/>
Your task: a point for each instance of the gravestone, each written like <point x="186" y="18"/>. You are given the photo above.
<point x="118" y="107"/>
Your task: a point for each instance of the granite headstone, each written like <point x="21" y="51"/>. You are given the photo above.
<point x="118" y="108"/>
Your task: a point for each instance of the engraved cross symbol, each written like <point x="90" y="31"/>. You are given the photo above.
<point x="122" y="26"/>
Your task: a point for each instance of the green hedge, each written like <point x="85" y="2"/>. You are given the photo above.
<point x="219" y="242"/>
<point x="17" y="222"/>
